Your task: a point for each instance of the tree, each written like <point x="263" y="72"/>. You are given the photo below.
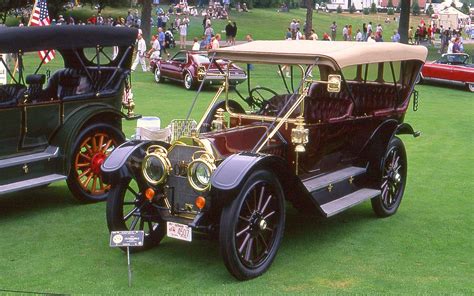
<point x="465" y="8"/>
<point x="309" y="17"/>
<point x="352" y="9"/>
<point x="429" y="10"/>
<point x="390" y="4"/>
<point x="415" y="8"/>
<point x="339" y="9"/>
<point x="404" y="20"/>
<point x="366" y="11"/>
<point x="146" y="16"/>
<point x="390" y="11"/>
<point x="373" y="8"/>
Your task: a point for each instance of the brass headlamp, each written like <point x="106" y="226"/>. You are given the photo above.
<point x="156" y="166"/>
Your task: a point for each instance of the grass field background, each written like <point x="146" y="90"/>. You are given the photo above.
<point x="51" y="243"/>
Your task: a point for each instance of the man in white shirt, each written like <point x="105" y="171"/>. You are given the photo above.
<point x="359" y="36"/>
<point x="141" y="51"/>
<point x="155" y="49"/>
<point x="215" y="42"/>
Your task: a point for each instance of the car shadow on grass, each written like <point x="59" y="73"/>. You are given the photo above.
<point x="35" y="200"/>
<point x="300" y="230"/>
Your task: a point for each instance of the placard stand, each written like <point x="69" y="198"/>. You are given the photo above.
<point x="129" y="268"/>
<point x="127" y="239"/>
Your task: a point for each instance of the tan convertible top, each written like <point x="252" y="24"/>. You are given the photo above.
<point x="338" y="54"/>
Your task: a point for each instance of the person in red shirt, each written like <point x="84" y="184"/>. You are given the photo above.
<point x="430" y="32"/>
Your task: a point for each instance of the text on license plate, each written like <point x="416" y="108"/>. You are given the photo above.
<point x="179" y="231"/>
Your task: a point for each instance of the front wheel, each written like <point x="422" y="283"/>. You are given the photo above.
<point x="393" y="179"/>
<point x="93" y="145"/>
<point x="471" y="87"/>
<point x="128" y="209"/>
<point x="157" y="75"/>
<point x="251" y="226"/>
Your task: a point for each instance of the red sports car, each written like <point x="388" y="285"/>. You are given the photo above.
<point x="189" y="67"/>
<point x="452" y="68"/>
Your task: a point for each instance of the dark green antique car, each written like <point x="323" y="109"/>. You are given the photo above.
<point x="63" y="125"/>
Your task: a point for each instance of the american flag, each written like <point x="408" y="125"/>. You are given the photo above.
<point x="40" y="18"/>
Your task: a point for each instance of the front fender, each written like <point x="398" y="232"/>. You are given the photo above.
<point x="115" y="168"/>
<point x="234" y="170"/>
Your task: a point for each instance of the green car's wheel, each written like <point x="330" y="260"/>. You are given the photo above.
<point x="393" y="179"/>
<point x="129" y="209"/>
<point x="251" y="226"/>
<point x="93" y="145"/>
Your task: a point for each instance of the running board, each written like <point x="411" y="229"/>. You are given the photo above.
<point x="317" y="183"/>
<point x="48" y="153"/>
<point x="31" y="183"/>
<point x="341" y="204"/>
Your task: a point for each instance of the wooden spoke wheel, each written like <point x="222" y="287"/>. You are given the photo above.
<point x="92" y="147"/>
<point x="128" y="209"/>
<point x="252" y="226"/>
<point x="393" y="179"/>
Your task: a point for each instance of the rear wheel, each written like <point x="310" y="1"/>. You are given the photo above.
<point x="471" y="87"/>
<point x="128" y="209"/>
<point x="393" y="179"/>
<point x="188" y="81"/>
<point x="93" y="145"/>
<point x="251" y="227"/>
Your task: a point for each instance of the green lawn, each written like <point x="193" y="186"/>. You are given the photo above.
<point x="51" y="243"/>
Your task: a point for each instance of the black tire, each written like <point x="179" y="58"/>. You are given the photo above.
<point x="254" y="225"/>
<point x="157" y="75"/>
<point x="128" y="209"/>
<point x="393" y="176"/>
<point x="207" y="123"/>
<point x="188" y="81"/>
<point x="470" y="86"/>
<point x="419" y="79"/>
<point x="87" y="186"/>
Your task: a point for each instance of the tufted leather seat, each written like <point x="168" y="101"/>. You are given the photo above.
<point x="71" y="83"/>
<point x="11" y="94"/>
<point x="375" y="98"/>
<point x="322" y="106"/>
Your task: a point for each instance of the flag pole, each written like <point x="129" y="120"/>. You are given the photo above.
<point x="29" y="23"/>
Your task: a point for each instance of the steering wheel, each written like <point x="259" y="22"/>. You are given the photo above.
<point x="256" y="99"/>
<point x="207" y="123"/>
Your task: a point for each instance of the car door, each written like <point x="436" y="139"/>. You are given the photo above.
<point x="41" y="119"/>
<point x="10" y="118"/>
<point x="173" y="68"/>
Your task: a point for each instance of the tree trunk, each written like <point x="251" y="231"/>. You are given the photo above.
<point x="309" y="17"/>
<point x="404" y="23"/>
<point x="146" y="16"/>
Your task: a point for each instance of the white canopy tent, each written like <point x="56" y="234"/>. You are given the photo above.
<point x="450" y="17"/>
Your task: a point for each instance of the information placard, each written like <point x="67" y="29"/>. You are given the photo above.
<point x="127" y="238"/>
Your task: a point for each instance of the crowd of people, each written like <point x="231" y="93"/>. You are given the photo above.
<point x="451" y="40"/>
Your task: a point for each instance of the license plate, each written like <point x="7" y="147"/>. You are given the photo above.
<point x="179" y="231"/>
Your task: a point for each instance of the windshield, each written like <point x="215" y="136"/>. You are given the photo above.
<point x="453" y="59"/>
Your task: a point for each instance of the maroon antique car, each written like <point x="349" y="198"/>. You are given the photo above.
<point x="190" y="67"/>
<point x="325" y="144"/>
<point x="450" y="68"/>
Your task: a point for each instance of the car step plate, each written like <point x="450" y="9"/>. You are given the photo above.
<point x="179" y="231"/>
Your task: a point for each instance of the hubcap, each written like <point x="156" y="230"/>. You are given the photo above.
<point x="157" y="74"/>
<point x="257" y="225"/>
<point x="188" y="80"/>
<point x="392" y="180"/>
<point x="92" y="153"/>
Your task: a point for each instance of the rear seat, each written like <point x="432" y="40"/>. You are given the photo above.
<point x="322" y="106"/>
<point x="73" y="84"/>
<point x="376" y="98"/>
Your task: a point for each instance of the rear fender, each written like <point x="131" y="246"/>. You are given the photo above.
<point x="66" y="135"/>
<point x="374" y="150"/>
<point x="125" y="161"/>
<point x="230" y="175"/>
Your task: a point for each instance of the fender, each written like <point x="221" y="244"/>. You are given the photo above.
<point x="407" y="129"/>
<point x="66" y="134"/>
<point x="234" y="170"/>
<point x="377" y="144"/>
<point x="114" y="169"/>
